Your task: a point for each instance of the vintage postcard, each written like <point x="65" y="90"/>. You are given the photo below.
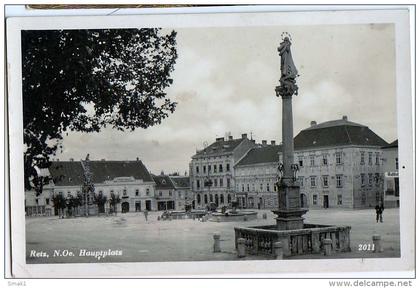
<point x="247" y="144"/>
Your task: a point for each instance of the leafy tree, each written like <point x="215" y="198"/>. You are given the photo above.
<point x="100" y="200"/>
<point x="77" y="202"/>
<point x="69" y="204"/>
<point x="60" y="203"/>
<point x="113" y="201"/>
<point x="84" y="80"/>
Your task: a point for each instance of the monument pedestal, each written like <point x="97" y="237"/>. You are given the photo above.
<point x="290" y="219"/>
<point x="289" y="214"/>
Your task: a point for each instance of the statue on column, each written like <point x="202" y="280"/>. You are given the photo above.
<point x="289" y="72"/>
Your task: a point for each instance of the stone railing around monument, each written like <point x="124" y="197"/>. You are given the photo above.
<point x="260" y="240"/>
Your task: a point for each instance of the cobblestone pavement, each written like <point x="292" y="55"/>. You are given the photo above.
<point x="183" y="240"/>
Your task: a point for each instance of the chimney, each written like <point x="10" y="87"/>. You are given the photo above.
<point x="103" y="159"/>
<point x="273" y="142"/>
<point x="345" y="118"/>
<point x="71" y="159"/>
<point x="230" y="137"/>
<point x="264" y="142"/>
<point x="137" y="159"/>
<point x="220" y="139"/>
<point x="244" y="136"/>
<point x="253" y="141"/>
<point x="313" y="123"/>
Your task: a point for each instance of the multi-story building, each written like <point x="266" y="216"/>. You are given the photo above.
<point x="255" y="177"/>
<point x="164" y="193"/>
<point x="183" y="194"/>
<point x="212" y="172"/>
<point x="340" y="164"/>
<point x="391" y="197"/>
<point x="130" y="180"/>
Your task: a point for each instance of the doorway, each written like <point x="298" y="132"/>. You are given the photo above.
<point x="138" y="206"/>
<point x="326" y="202"/>
<point x="125" y="207"/>
<point x="148" y="205"/>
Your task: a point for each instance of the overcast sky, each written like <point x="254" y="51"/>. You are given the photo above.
<point x="224" y="81"/>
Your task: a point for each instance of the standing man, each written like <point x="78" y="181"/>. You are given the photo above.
<point x="145" y="214"/>
<point x="378" y="212"/>
<point x="381" y="210"/>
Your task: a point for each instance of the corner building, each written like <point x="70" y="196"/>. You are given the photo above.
<point x="340" y="165"/>
<point x="212" y="171"/>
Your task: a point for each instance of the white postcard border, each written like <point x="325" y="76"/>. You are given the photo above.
<point x="293" y="268"/>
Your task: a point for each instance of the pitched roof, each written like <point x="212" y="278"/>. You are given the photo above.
<point x="181" y="181"/>
<point x="220" y="146"/>
<point x="70" y="173"/>
<point x="261" y="154"/>
<point x="163" y="182"/>
<point x="337" y="133"/>
<point x="391" y="145"/>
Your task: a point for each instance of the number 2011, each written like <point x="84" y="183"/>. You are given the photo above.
<point x="366" y="247"/>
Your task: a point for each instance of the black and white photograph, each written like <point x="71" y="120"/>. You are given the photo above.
<point x="243" y="138"/>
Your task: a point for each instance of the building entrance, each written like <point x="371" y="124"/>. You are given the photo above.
<point x="138" y="206"/>
<point x="148" y="205"/>
<point x="125" y="207"/>
<point x="326" y="202"/>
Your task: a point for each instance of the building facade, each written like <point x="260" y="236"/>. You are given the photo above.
<point x="183" y="194"/>
<point x="130" y="180"/>
<point x="340" y="165"/>
<point x="391" y="190"/>
<point x="256" y="175"/>
<point x="164" y="193"/>
<point x="212" y="171"/>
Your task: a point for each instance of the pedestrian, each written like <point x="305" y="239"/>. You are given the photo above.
<point x="381" y="211"/>
<point x="377" y="209"/>
<point x="145" y="214"/>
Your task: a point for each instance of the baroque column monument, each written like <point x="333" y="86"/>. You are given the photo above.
<point x="289" y="212"/>
<point x="290" y="234"/>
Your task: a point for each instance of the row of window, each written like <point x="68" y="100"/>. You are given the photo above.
<point x="252" y="187"/>
<point x="213" y="198"/>
<point x="207" y="169"/>
<point x="370" y="179"/>
<point x="170" y="193"/>
<point x="325" y="181"/>
<point x="324" y="161"/>
<point x="315" y="200"/>
<point x="216" y="182"/>
<point x="339" y="159"/>
<point x="370" y="157"/>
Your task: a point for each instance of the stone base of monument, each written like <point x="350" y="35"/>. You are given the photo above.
<point x="290" y="219"/>
<point x="260" y="240"/>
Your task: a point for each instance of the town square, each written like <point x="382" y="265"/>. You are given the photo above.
<point x="99" y="190"/>
<point x="188" y="239"/>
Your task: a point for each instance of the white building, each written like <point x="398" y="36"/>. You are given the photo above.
<point x="340" y="165"/>
<point x="255" y="176"/>
<point x="130" y="180"/>
<point x="391" y="179"/>
<point x="164" y="193"/>
<point x="183" y="193"/>
<point x="212" y="172"/>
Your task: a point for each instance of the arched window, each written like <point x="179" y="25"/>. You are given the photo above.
<point x="229" y="198"/>
<point x="211" y="197"/>
<point x="222" y="199"/>
<point x="205" y="199"/>
<point x="198" y="198"/>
